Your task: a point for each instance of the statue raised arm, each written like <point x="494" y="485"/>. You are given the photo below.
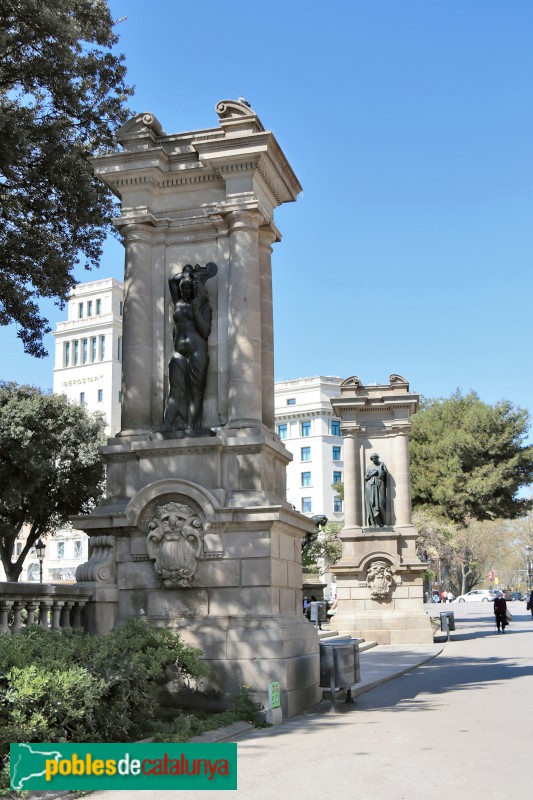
<point x="187" y="369"/>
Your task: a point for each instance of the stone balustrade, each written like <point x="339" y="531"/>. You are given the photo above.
<point x="50" y="606"/>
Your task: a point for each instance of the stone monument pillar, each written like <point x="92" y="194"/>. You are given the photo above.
<point x="195" y="533"/>
<point x="379" y="576"/>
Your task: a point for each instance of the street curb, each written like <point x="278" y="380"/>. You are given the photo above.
<point x="226" y="734"/>
<point x="357" y="689"/>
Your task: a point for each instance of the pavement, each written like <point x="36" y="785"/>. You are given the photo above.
<point x="378" y="664"/>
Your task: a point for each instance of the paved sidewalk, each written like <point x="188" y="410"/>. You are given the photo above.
<point x="385" y="662"/>
<point x="379" y="664"/>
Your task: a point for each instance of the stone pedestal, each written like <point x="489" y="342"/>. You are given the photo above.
<point x="375" y="419"/>
<point x="195" y="533"/>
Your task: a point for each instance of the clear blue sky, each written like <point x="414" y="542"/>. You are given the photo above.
<point x="409" y="126"/>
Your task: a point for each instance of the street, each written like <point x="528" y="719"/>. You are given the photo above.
<point x="458" y="727"/>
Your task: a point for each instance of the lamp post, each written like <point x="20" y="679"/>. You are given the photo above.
<point x="528" y="549"/>
<point x="40" y="547"/>
<point x="429" y="562"/>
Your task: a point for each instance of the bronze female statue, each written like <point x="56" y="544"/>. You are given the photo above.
<point x="187" y="369"/>
<point x="376" y="492"/>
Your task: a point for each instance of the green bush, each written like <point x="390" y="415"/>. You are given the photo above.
<point x="186" y="725"/>
<point x="57" y="687"/>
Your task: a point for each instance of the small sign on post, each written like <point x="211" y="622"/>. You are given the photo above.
<point x="274" y="695"/>
<point x="274" y="714"/>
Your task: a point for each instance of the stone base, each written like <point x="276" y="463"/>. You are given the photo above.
<point x="387" y="626"/>
<point x="252" y="652"/>
<point x="242" y="607"/>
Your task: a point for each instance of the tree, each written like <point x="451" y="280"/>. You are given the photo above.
<point x="468" y="459"/>
<point x="322" y="546"/>
<point x="50" y="467"/>
<point x="476" y="547"/>
<point x="62" y="96"/>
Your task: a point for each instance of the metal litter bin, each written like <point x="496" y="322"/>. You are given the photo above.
<point x="339" y="667"/>
<point x="317" y="613"/>
<point x="447" y="621"/>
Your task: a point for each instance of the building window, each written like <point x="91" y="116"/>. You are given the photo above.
<point x="305" y="453"/>
<point x="306" y="505"/>
<point x="98" y="306"/>
<point x="282" y="431"/>
<point x="102" y="348"/>
<point x="93" y="348"/>
<point x="89" y="308"/>
<point x="121" y="308"/>
<point x="84" y="350"/>
<point x="120" y="395"/>
<point x="291" y="401"/>
<point x="78" y="548"/>
<point x="82" y="397"/>
<point x="18" y="548"/>
<point x="306" y="479"/>
<point x="101" y="396"/>
<point x="305" y="428"/>
<point x="76" y="352"/>
<point x="335" y="428"/>
<point x="336" y="453"/>
<point x="337" y="477"/>
<point x="67" y="354"/>
<point x="119" y="348"/>
<point x="80" y="310"/>
<point x="61" y="549"/>
<point x="337" y="505"/>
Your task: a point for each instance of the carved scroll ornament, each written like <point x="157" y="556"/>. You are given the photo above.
<point x="379" y="579"/>
<point x="101" y="564"/>
<point x="175" y="543"/>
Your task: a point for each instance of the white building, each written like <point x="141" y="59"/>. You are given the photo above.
<point x="88" y="349"/>
<point x="310" y="431"/>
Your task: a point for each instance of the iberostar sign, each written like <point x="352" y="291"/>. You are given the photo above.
<point x="123" y="766"/>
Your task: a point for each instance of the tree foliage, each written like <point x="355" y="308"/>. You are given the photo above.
<point x="468" y="459"/>
<point x="476" y="547"/>
<point x="322" y="546"/>
<point x="62" y="96"/>
<point x="50" y="467"/>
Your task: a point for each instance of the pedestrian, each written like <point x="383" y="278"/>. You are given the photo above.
<point x="530" y="603"/>
<point x="443" y="596"/>
<point x="451" y="597"/>
<point x="500" y="612"/>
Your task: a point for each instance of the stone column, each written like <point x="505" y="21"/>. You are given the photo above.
<point x="244" y="320"/>
<point x="266" y="238"/>
<point x="402" y="503"/>
<point x="352" y="511"/>
<point x="137" y="349"/>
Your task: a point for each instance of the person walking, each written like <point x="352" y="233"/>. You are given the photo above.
<point x="500" y="612"/>
<point x="530" y="603"/>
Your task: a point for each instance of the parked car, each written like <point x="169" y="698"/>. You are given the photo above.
<point x="517" y="596"/>
<point x="476" y="595"/>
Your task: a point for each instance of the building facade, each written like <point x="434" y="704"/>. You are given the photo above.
<point x="88" y="349"/>
<point x="311" y="432"/>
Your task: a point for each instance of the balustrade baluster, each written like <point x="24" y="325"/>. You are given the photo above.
<point x="5" y="608"/>
<point x="18" y="606"/>
<point x="31" y="607"/>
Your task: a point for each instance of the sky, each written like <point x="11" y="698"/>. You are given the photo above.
<point x="409" y="126"/>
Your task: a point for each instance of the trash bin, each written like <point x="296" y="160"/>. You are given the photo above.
<point x="317" y="613"/>
<point x="339" y="666"/>
<point x="447" y="621"/>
